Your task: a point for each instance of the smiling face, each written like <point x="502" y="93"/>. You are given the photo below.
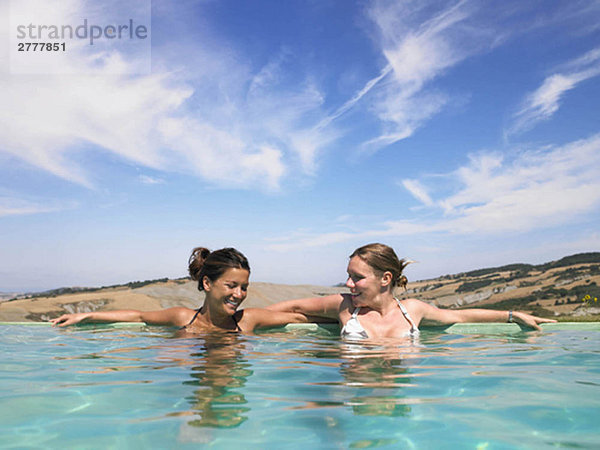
<point x="365" y="285"/>
<point x="229" y="290"/>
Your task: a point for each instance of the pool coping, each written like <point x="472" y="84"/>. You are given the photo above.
<point x="457" y="328"/>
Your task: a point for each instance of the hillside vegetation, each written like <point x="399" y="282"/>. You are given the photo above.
<point x="566" y="289"/>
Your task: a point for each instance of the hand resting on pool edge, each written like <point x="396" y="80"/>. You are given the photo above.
<point x="224" y="277"/>
<point x="370" y="310"/>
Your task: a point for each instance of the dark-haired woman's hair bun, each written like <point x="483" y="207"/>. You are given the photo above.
<point x="196" y="262"/>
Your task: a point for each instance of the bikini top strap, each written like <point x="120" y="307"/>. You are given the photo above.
<point x="236" y="323"/>
<point x="405" y="312"/>
<point x="355" y="312"/>
<point x="193" y="318"/>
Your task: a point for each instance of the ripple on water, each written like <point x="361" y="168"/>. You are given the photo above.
<point x="144" y="387"/>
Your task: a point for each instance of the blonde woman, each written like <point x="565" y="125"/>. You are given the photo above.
<point x="371" y="310"/>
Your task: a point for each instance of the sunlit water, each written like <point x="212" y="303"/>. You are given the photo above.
<point x="148" y="388"/>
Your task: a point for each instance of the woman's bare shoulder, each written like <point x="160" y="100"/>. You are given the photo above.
<point x="415" y="306"/>
<point x="179" y="315"/>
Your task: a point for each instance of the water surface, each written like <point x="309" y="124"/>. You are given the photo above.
<point x="148" y="387"/>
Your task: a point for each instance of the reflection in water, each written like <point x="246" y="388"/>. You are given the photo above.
<point x="310" y="391"/>
<point x="375" y="375"/>
<point x="378" y="375"/>
<point x="219" y="370"/>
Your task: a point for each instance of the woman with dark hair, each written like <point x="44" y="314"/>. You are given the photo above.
<point x="371" y="310"/>
<point x="224" y="277"/>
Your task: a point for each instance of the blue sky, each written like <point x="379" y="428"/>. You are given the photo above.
<point x="464" y="134"/>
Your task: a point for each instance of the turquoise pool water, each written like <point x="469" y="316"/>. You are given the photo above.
<point x="138" y="387"/>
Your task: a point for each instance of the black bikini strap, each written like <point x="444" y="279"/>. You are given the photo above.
<point x="236" y="323"/>
<point x="193" y="318"/>
<point x="198" y="312"/>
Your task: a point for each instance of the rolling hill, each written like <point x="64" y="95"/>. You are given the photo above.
<point x="557" y="288"/>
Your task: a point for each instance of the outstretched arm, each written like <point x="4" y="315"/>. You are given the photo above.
<point x="261" y="318"/>
<point x="430" y="315"/>
<point x="328" y="306"/>
<point x="171" y="316"/>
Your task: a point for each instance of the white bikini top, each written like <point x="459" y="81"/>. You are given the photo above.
<point x="354" y="330"/>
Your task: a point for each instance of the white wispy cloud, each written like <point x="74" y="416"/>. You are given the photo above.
<point x="494" y="195"/>
<point x="14" y="206"/>
<point x="211" y="115"/>
<point x="279" y="109"/>
<point x="418" y="191"/>
<point x="216" y="116"/>
<point x="544" y="102"/>
<point x="349" y="104"/>
<point x="420" y="41"/>
<point x="146" y="179"/>
<point x="534" y="190"/>
<point x="537" y="189"/>
<point x="418" y="46"/>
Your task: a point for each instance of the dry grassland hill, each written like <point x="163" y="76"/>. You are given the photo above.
<point x="557" y="288"/>
<point x="146" y="296"/>
<point x="567" y="287"/>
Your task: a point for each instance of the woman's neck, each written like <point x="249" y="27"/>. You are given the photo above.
<point x="384" y="303"/>
<point x="215" y="318"/>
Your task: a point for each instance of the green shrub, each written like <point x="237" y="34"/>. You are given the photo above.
<point x="469" y="286"/>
